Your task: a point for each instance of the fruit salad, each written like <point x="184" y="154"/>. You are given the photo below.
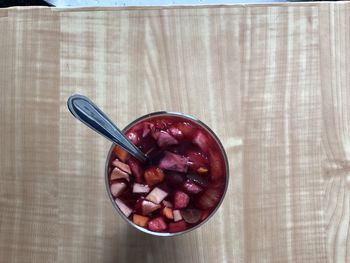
<point x="180" y="186"/>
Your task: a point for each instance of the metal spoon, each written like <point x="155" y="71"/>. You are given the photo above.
<point x="88" y="113"/>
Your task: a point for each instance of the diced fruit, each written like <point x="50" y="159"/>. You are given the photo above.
<point x="177" y="227"/>
<point x="153" y="175"/>
<point x="117" y="188"/>
<point x="119" y="174"/>
<point x="217" y="171"/>
<point x="167" y="204"/>
<point x="176" y="132"/>
<point x="122" y="166"/>
<point x="148" y="207"/>
<point x="158" y="224"/>
<point x="140" y="220"/>
<point x="191" y="188"/>
<point x="165" y="139"/>
<point x="209" y="198"/>
<point x="156" y="195"/>
<point x="201" y="140"/>
<point x="202" y="170"/>
<point x="198" y="179"/>
<point x="186" y="129"/>
<point x="123" y="207"/>
<point x="133" y="137"/>
<point x="147" y="127"/>
<point x="136" y="169"/>
<point x="181" y="200"/>
<point x="177" y="215"/>
<point x="191" y="215"/>
<point x="140" y="188"/>
<point x="121" y="153"/>
<point x="197" y="160"/>
<point x="168" y="212"/>
<point x="173" y="162"/>
<point x="174" y="179"/>
<point x="205" y="214"/>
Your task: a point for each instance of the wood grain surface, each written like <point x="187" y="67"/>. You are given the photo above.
<point x="271" y="80"/>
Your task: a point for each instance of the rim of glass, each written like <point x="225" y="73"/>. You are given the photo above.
<point x="200" y="123"/>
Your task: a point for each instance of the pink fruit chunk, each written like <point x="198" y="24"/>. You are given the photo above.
<point x="147" y="127"/>
<point x="176" y="132"/>
<point x="209" y="198"/>
<point x="123" y="207"/>
<point x="173" y="162"/>
<point x="117" y="188"/>
<point x="177" y="215"/>
<point x="177" y="227"/>
<point x="191" y="215"/>
<point x="122" y="166"/>
<point x="136" y="169"/>
<point x="174" y="179"/>
<point x="192" y="188"/>
<point x="149" y="207"/>
<point x="181" y="200"/>
<point x="156" y="195"/>
<point x="133" y="137"/>
<point x="119" y="174"/>
<point x="201" y="140"/>
<point x="140" y="188"/>
<point x="165" y="139"/>
<point x="167" y="204"/>
<point x="158" y="224"/>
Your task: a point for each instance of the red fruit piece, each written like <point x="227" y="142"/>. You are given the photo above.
<point x="140" y="188"/>
<point x="181" y="200"/>
<point x="191" y="188"/>
<point x="191" y="215"/>
<point x="174" y="179"/>
<point x="201" y="140"/>
<point x="119" y="174"/>
<point x="117" y="188"/>
<point x="205" y="214"/>
<point x="158" y="224"/>
<point x="153" y="175"/>
<point x="198" y="179"/>
<point x="209" y="198"/>
<point x="177" y="227"/>
<point x="217" y="166"/>
<point x="156" y="195"/>
<point x="136" y="169"/>
<point x="186" y="129"/>
<point x="123" y="207"/>
<point x="173" y="162"/>
<point x="148" y="207"/>
<point x="176" y="132"/>
<point x="122" y="166"/>
<point x="197" y="160"/>
<point x="165" y="139"/>
<point x="133" y="137"/>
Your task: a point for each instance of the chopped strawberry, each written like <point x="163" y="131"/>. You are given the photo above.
<point x="217" y="166"/>
<point x="192" y="188"/>
<point x="177" y="215"/>
<point x="140" y="188"/>
<point x="133" y="137"/>
<point x="168" y="212"/>
<point x="174" y="179"/>
<point x="174" y="162"/>
<point x="158" y="224"/>
<point x="153" y="175"/>
<point x="197" y="160"/>
<point x="201" y="140"/>
<point x="205" y="214"/>
<point x="117" y="188"/>
<point x="119" y="174"/>
<point x="136" y="169"/>
<point x="148" y="207"/>
<point x="156" y="195"/>
<point x="181" y="200"/>
<point x="191" y="215"/>
<point x="198" y="179"/>
<point x="140" y="220"/>
<point x="121" y="153"/>
<point x="209" y="198"/>
<point x="177" y="227"/>
<point x="122" y="166"/>
<point x="167" y="204"/>
<point x="123" y="207"/>
<point x="165" y="139"/>
<point x="176" y="132"/>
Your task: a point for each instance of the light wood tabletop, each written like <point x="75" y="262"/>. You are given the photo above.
<point x="273" y="81"/>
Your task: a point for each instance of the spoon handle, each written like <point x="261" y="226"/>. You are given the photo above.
<point x="88" y="113"/>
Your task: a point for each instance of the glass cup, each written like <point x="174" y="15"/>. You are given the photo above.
<point x="185" y="118"/>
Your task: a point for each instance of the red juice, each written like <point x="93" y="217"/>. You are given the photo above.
<point x="181" y="185"/>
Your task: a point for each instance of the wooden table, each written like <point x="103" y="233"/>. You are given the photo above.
<point x="271" y="80"/>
